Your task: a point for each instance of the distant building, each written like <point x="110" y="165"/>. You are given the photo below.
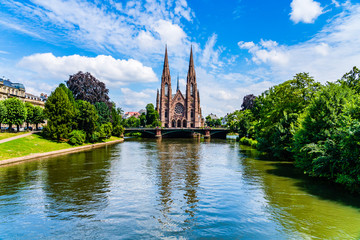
<point x="9" y="89"/>
<point x="142" y="111"/>
<point x="213" y="116"/>
<point x="131" y="114"/>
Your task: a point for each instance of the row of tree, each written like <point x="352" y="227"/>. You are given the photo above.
<point x="317" y="126"/>
<point x="81" y="111"/>
<point x="14" y="112"/>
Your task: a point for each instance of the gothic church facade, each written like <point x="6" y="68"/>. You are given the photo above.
<point x="179" y="110"/>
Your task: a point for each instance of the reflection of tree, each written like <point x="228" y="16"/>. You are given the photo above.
<point x="178" y="173"/>
<point x="15" y="177"/>
<point x="78" y="183"/>
<point x="301" y="205"/>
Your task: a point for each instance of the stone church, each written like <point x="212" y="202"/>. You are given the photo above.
<point x="178" y="110"/>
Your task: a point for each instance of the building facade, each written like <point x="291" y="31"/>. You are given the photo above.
<point x="9" y="89"/>
<point x="179" y="110"/>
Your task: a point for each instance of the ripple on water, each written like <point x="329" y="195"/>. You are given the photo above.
<point x="174" y="188"/>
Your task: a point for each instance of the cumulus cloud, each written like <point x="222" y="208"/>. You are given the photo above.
<point x="111" y="27"/>
<point x="113" y="72"/>
<point x="327" y="56"/>
<point x="134" y="100"/>
<point x="266" y="52"/>
<point x="306" y="11"/>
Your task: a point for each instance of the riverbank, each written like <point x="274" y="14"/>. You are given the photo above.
<point x="35" y="147"/>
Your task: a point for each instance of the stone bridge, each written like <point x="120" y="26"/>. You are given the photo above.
<point x="180" y="132"/>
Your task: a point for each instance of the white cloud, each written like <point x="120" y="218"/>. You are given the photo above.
<point x="113" y="72"/>
<point x="327" y="56"/>
<point x="135" y="101"/>
<point x="266" y="52"/>
<point x="306" y="11"/>
<point x="171" y="34"/>
<point x="111" y="27"/>
<point x="210" y="55"/>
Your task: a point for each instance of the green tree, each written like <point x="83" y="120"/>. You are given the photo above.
<point x="132" y="122"/>
<point x="38" y="116"/>
<point x="278" y="109"/>
<point x="241" y="122"/>
<point x="16" y="112"/>
<point x="86" y="118"/>
<point x="152" y="116"/>
<point x="318" y="121"/>
<point x="118" y="129"/>
<point x="30" y="114"/>
<point x="3" y="112"/>
<point x="327" y="142"/>
<point x="60" y="114"/>
<point x="68" y="92"/>
<point x="103" y="112"/>
<point x="352" y="79"/>
<point x="142" y="120"/>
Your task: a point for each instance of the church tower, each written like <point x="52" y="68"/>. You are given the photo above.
<point x="165" y="93"/>
<point x="178" y="110"/>
<point x="192" y="104"/>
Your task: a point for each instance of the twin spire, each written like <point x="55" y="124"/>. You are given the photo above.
<point x="166" y="69"/>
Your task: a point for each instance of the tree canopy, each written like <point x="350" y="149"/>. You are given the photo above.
<point x="16" y="112"/>
<point x="3" y="112"/>
<point x="60" y="113"/>
<point x="86" y="87"/>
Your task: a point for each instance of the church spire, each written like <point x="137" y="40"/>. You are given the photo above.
<point x="166" y="70"/>
<point x="177" y="88"/>
<point x="191" y="72"/>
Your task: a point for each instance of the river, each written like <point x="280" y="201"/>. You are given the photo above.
<point x="171" y="188"/>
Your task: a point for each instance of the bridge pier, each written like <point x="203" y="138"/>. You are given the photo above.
<point x="158" y="133"/>
<point x="207" y="134"/>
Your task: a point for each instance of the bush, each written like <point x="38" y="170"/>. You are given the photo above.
<point x="77" y="137"/>
<point x="118" y="130"/>
<point x="94" y="137"/>
<point x="105" y="131"/>
<point x="249" y="142"/>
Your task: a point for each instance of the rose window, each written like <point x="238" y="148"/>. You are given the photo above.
<point x="179" y="108"/>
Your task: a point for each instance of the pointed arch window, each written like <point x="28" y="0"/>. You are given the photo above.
<point x="192" y="89"/>
<point x="166" y="89"/>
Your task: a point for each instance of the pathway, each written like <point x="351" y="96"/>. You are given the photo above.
<point x="16" y="137"/>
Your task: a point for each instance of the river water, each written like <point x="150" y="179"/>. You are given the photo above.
<point x="173" y="188"/>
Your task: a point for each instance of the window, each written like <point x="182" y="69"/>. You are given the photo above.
<point x="192" y="113"/>
<point x="166" y="113"/>
<point x="192" y="89"/>
<point x="166" y="89"/>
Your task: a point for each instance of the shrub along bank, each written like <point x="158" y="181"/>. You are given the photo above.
<point x="316" y="126"/>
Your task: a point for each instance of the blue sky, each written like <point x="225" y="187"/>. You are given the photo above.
<point x="240" y="46"/>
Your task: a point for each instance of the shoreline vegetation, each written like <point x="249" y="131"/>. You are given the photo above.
<point x="314" y="125"/>
<point x="36" y="143"/>
<point x="36" y="146"/>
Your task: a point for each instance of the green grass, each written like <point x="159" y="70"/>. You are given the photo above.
<point x="9" y="135"/>
<point x="34" y="143"/>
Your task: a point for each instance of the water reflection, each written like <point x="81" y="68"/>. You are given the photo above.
<point x="178" y="181"/>
<point x="306" y="208"/>
<point x="170" y="188"/>
<point x="77" y="184"/>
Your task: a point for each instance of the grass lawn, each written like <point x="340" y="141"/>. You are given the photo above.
<point x="9" y="135"/>
<point x="33" y="144"/>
